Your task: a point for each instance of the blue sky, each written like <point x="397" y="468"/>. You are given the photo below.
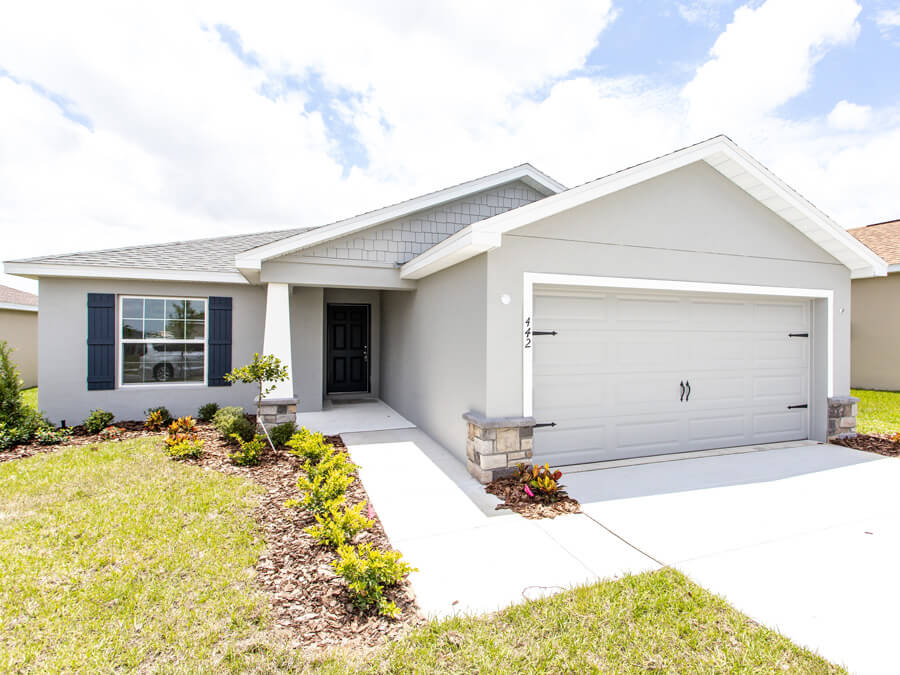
<point x="124" y="124"/>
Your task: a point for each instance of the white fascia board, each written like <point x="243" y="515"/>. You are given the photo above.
<point x="18" y="308"/>
<point x="858" y="258"/>
<point x="893" y="268"/>
<point x="461" y="246"/>
<point x="37" y="270"/>
<point x="253" y="259"/>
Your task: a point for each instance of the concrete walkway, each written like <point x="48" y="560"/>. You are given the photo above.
<point x="472" y="558"/>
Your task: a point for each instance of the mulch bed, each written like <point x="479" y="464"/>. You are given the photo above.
<point x="310" y="605"/>
<point x="514" y="498"/>
<point x="80" y="436"/>
<point x="878" y="443"/>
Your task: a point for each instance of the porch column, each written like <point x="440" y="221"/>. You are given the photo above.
<point x="279" y="405"/>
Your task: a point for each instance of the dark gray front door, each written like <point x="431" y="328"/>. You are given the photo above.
<point x="348" y="348"/>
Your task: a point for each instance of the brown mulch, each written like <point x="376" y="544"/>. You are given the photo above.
<point x="878" y="443"/>
<point x="310" y="604"/>
<point x="514" y="498"/>
<point x="80" y="436"/>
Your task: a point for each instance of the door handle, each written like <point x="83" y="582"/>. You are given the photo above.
<point x="681" y="384"/>
<point x="366" y="354"/>
<point x="688" y="397"/>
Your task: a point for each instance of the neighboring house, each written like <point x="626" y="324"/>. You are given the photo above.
<point x="19" y="327"/>
<point x="691" y="302"/>
<point x="875" y="360"/>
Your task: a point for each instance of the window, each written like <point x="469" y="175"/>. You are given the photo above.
<point x="163" y="340"/>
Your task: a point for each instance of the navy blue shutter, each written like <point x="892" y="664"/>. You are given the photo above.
<point x="101" y="341"/>
<point x="219" y="342"/>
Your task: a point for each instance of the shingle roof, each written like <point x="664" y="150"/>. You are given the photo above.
<point x="14" y="296"/>
<point x="215" y="254"/>
<point x="883" y="238"/>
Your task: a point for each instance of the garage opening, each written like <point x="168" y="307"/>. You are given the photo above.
<point x="628" y="373"/>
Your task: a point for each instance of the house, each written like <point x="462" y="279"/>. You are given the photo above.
<point x="19" y="328"/>
<point x="691" y="302"/>
<point x="875" y="357"/>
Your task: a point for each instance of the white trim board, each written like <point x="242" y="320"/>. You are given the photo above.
<point x="250" y="261"/>
<point x="723" y="155"/>
<point x="18" y="308"/>
<point x="531" y="279"/>
<point x="37" y="270"/>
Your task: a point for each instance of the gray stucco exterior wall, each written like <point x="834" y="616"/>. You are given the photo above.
<point x="307" y="341"/>
<point x="20" y="330"/>
<point x="688" y="225"/>
<point x="433" y="351"/>
<point x="63" y="354"/>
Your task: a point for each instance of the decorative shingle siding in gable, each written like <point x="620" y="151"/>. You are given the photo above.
<point x="404" y="239"/>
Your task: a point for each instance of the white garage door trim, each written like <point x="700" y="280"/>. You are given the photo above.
<point x="533" y="278"/>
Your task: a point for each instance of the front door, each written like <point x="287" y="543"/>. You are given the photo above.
<point x="347" y="348"/>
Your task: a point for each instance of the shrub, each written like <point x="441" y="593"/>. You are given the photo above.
<point x="184" y="446"/>
<point x="207" y="411"/>
<point x="49" y="436"/>
<point x="154" y="421"/>
<point x="323" y="486"/>
<point x="540" y="482"/>
<point x="111" y="434"/>
<point x="250" y="451"/>
<point x="261" y="371"/>
<point x="163" y="412"/>
<point x="282" y="433"/>
<point x="310" y="446"/>
<point x="183" y="425"/>
<point x="11" y="406"/>
<point x="230" y="421"/>
<point x="98" y="420"/>
<point x="367" y="572"/>
<point x="11" y="436"/>
<point x="339" y="525"/>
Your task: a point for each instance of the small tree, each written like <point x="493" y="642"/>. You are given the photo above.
<point x="10" y="387"/>
<point x="264" y="372"/>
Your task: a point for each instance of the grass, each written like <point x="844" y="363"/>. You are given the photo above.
<point x="114" y="558"/>
<point x="30" y="397"/>
<point x="879" y="411"/>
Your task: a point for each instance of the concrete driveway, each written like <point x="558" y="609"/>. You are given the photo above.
<point x="805" y="540"/>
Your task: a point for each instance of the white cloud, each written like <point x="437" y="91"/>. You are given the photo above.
<point x="849" y="116"/>
<point x="888" y="18"/>
<point x="705" y="12"/>
<point x="183" y="144"/>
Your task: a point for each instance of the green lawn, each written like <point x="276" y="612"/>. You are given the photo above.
<point x="30" y="396"/>
<point x="879" y="411"/>
<point x="113" y="557"/>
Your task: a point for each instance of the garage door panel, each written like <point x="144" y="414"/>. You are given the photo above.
<point x="610" y="377"/>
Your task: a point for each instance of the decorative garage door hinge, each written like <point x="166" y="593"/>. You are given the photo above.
<point x="543" y="332"/>
<point x="802" y="405"/>
<point x="798" y="334"/>
<point x="545" y="424"/>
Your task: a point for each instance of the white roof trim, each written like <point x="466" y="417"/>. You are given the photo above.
<point x="723" y="155"/>
<point x="34" y="270"/>
<point x="248" y="261"/>
<point x="18" y="308"/>
<point x="893" y="268"/>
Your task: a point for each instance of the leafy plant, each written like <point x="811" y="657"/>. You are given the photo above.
<point x="282" y="433"/>
<point x="98" y="420"/>
<point x="111" y="433"/>
<point x="183" y="425"/>
<point x="323" y="485"/>
<point x="896" y="438"/>
<point x="310" y="446"/>
<point x="207" y="411"/>
<point x="249" y="452"/>
<point x="10" y="386"/>
<point x="10" y="436"/>
<point x="264" y="372"/>
<point x="49" y="436"/>
<point x="230" y="421"/>
<point x="367" y="572"/>
<point x="154" y="421"/>
<point x="339" y="525"/>
<point x="540" y="482"/>
<point x="184" y="446"/>
<point x="162" y="410"/>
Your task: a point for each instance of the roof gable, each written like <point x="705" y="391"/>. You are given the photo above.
<point x="883" y="239"/>
<point x="720" y="152"/>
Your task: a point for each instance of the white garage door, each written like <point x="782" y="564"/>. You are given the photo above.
<point x="636" y="373"/>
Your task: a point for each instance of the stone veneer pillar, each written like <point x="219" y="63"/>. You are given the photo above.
<point x="496" y="444"/>
<point x="277" y="411"/>
<point x="842" y="417"/>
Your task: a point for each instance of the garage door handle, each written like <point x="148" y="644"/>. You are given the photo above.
<point x="688" y="385"/>
<point x="681" y="384"/>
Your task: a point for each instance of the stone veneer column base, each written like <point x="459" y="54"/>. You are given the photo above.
<point x="496" y="444"/>
<point x="842" y="417"/>
<point x="277" y="411"/>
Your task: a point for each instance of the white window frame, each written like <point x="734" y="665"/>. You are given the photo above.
<point x="160" y="385"/>
<point x="531" y="279"/>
